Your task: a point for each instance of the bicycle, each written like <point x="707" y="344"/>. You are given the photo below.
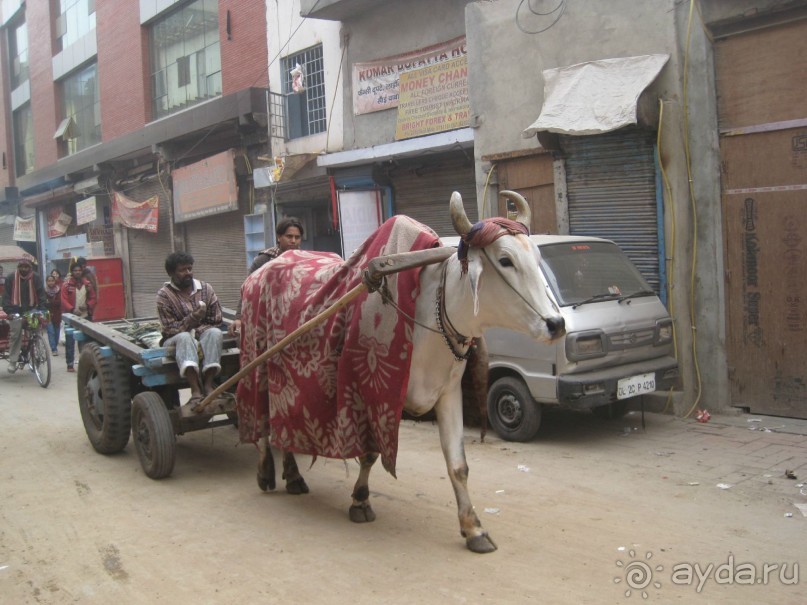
<point x="34" y="351"/>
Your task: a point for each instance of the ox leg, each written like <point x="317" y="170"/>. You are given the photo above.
<point x="295" y="484"/>
<point x="360" y="510"/>
<point x="449" y="421"/>
<point x="266" y="465"/>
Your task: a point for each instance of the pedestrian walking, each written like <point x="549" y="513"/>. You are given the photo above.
<point x="53" y="292"/>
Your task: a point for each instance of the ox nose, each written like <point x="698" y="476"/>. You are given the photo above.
<point x="556" y="326"/>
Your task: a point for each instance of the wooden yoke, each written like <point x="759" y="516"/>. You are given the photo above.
<point x="372" y="279"/>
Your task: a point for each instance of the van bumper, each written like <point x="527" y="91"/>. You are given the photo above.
<point x="592" y="389"/>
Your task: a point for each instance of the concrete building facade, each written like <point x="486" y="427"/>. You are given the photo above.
<point x="666" y="185"/>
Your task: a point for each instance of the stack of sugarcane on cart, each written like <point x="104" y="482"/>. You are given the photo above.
<point x="128" y="384"/>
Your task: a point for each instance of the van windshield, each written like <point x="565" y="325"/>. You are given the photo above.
<point x="579" y="272"/>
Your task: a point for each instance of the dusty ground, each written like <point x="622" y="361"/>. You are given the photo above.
<point x="570" y="512"/>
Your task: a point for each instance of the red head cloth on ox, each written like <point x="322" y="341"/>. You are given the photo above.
<point x="337" y="391"/>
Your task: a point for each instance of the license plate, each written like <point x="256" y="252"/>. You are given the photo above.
<point x="636" y="385"/>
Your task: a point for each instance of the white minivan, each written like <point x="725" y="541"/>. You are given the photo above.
<point x="618" y="343"/>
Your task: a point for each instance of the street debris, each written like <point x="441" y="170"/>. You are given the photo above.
<point x="788" y="515"/>
<point x="695" y="483"/>
<point x="703" y="416"/>
<point x="802" y="507"/>
<point x="754" y="420"/>
<point x="790" y="474"/>
<point x="523" y="468"/>
<point x="496" y="511"/>
<point x="499" y="491"/>
<point x="724" y="486"/>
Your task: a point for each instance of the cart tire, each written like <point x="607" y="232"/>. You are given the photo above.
<point x="153" y="435"/>
<point x="513" y="413"/>
<point x="104" y="399"/>
<point x="40" y="361"/>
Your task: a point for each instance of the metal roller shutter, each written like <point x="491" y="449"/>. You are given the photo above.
<point x="611" y="182"/>
<point x="218" y="248"/>
<point x="147" y="252"/>
<point x="423" y="189"/>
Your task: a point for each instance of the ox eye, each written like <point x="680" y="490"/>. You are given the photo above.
<point x="505" y="262"/>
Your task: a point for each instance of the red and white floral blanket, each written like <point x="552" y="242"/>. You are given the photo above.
<point x="337" y="391"/>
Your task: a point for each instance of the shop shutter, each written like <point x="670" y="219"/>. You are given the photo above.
<point x="218" y="248"/>
<point x="611" y="185"/>
<point x="147" y="251"/>
<point x="423" y="190"/>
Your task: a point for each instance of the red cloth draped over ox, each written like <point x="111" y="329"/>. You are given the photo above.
<point x="337" y="391"/>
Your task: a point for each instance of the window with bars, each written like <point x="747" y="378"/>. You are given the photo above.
<point x="305" y="110"/>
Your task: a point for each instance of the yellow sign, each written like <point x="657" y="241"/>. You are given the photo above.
<point x="433" y="99"/>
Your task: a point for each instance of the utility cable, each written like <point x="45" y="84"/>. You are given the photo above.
<point x="694" y="205"/>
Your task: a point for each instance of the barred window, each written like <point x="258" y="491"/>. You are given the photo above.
<point x="305" y="110"/>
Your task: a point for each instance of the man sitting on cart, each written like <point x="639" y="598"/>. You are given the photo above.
<point x="190" y="314"/>
<point x="24" y="292"/>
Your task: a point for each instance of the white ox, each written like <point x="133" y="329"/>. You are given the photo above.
<point x="499" y="290"/>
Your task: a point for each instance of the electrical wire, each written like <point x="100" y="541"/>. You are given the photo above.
<point x="485" y="191"/>
<point x="671" y="258"/>
<point x="333" y="100"/>
<point x="694" y="205"/>
<point x="561" y="5"/>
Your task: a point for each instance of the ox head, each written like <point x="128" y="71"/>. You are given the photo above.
<point x="513" y="289"/>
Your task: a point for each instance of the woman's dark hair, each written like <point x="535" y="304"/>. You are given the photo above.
<point x="175" y="259"/>
<point x="57" y="272"/>
<point x="289" y="221"/>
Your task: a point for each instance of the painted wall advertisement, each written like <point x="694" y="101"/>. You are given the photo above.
<point x="433" y="99"/>
<point x="25" y="229"/>
<point x="375" y="83"/>
<point x="206" y="187"/>
<point x="58" y="221"/>
<point x="85" y="211"/>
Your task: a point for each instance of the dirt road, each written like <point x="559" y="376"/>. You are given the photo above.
<point x="571" y="513"/>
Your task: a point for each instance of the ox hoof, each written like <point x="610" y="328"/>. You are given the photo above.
<point x="481" y="544"/>
<point x="297" y="486"/>
<point x="266" y="483"/>
<point x="361" y="513"/>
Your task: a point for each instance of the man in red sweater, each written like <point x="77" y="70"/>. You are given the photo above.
<point x="78" y="298"/>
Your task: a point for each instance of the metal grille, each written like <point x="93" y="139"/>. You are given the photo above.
<point x="305" y="111"/>
<point x="611" y="180"/>
<point x="277" y="116"/>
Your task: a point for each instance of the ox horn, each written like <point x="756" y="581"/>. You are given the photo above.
<point x="523" y="208"/>
<point x="458" y="217"/>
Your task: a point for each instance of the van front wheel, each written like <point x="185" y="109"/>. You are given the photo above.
<point x="512" y="411"/>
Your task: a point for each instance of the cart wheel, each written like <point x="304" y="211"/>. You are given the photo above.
<point x="153" y="435"/>
<point x="40" y="360"/>
<point x="104" y="399"/>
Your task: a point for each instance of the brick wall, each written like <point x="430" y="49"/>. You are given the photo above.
<point x="243" y="57"/>
<point x="44" y="103"/>
<point x="123" y="69"/>
<point x="6" y="138"/>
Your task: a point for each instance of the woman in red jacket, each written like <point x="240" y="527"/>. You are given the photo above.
<point x="78" y="298"/>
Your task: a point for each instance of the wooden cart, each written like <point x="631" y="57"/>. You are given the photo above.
<point x="125" y="387"/>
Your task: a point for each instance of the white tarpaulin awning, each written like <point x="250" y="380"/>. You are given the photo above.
<point x="595" y="97"/>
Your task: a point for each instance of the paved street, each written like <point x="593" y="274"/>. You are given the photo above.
<point x="590" y="512"/>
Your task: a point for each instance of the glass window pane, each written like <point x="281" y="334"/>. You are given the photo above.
<point x="184" y="46"/>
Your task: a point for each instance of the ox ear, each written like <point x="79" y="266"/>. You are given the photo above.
<point x="475" y="275"/>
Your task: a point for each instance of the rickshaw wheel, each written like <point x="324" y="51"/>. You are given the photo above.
<point x="40" y="360"/>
